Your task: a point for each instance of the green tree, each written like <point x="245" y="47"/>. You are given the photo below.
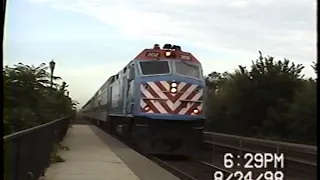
<point x="28" y="98"/>
<point x="262" y="101"/>
<point x="302" y="114"/>
<point x="276" y="83"/>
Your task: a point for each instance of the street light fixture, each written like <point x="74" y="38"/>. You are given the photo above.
<point x="52" y="65"/>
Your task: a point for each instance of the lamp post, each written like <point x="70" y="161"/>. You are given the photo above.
<point x="52" y="65"/>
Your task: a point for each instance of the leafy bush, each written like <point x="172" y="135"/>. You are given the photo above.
<point x="29" y="99"/>
<point x="271" y="100"/>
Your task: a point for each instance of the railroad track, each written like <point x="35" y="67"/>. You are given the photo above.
<point x="189" y="169"/>
<point x="182" y="167"/>
<point x="210" y="162"/>
<point x="301" y="153"/>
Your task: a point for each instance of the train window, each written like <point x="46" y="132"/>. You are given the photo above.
<point x="155" y="67"/>
<point x="187" y="69"/>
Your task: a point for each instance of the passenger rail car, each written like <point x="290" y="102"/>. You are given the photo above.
<point x="155" y="102"/>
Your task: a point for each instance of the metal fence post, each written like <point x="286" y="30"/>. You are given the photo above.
<point x="27" y="152"/>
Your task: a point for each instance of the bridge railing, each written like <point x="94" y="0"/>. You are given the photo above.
<point x="27" y="153"/>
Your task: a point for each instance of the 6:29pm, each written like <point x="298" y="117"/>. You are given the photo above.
<point x="254" y="160"/>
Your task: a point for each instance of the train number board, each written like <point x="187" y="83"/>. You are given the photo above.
<point x="185" y="57"/>
<point x="153" y="54"/>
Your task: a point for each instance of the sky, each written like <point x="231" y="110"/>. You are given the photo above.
<point x="90" y="40"/>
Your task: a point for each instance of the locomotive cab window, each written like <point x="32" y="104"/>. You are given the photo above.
<point x="154" y="67"/>
<point x="187" y="69"/>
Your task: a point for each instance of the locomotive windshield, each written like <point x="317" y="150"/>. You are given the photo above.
<point x="155" y="67"/>
<point x="187" y="69"/>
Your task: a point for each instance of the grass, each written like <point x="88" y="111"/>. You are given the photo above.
<point x="54" y="157"/>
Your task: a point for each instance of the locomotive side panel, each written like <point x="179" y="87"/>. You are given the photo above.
<point x="121" y="93"/>
<point x="129" y="91"/>
<point x="130" y="98"/>
<point x="115" y="106"/>
<point x="102" y="100"/>
<point x="97" y="106"/>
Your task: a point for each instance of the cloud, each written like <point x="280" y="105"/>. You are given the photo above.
<point x="239" y="4"/>
<point x="237" y="29"/>
<point x="243" y="25"/>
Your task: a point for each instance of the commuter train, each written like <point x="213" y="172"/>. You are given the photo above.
<point x="156" y="102"/>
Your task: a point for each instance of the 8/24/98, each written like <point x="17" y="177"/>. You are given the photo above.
<point x="239" y="175"/>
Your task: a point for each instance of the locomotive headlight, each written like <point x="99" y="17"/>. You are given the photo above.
<point x="147" y="108"/>
<point x="168" y="53"/>
<point x="173" y="90"/>
<point x="196" y="111"/>
<point x="174" y="85"/>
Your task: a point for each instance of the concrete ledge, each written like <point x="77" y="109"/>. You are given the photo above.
<point x="144" y="168"/>
<point x="88" y="159"/>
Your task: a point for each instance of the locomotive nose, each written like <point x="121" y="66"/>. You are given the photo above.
<point x="171" y="97"/>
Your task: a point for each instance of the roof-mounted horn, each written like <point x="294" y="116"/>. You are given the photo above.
<point x="156" y="46"/>
<point x="167" y="46"/>
<point x="176" y="47"/>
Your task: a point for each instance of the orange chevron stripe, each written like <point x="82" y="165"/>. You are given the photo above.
<point x="151" y="105"/>
<point x="173" y="99"/>
<point x="192" y="108"/>
<point x="164" y="105"/>
<point x="169" y="95"/>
